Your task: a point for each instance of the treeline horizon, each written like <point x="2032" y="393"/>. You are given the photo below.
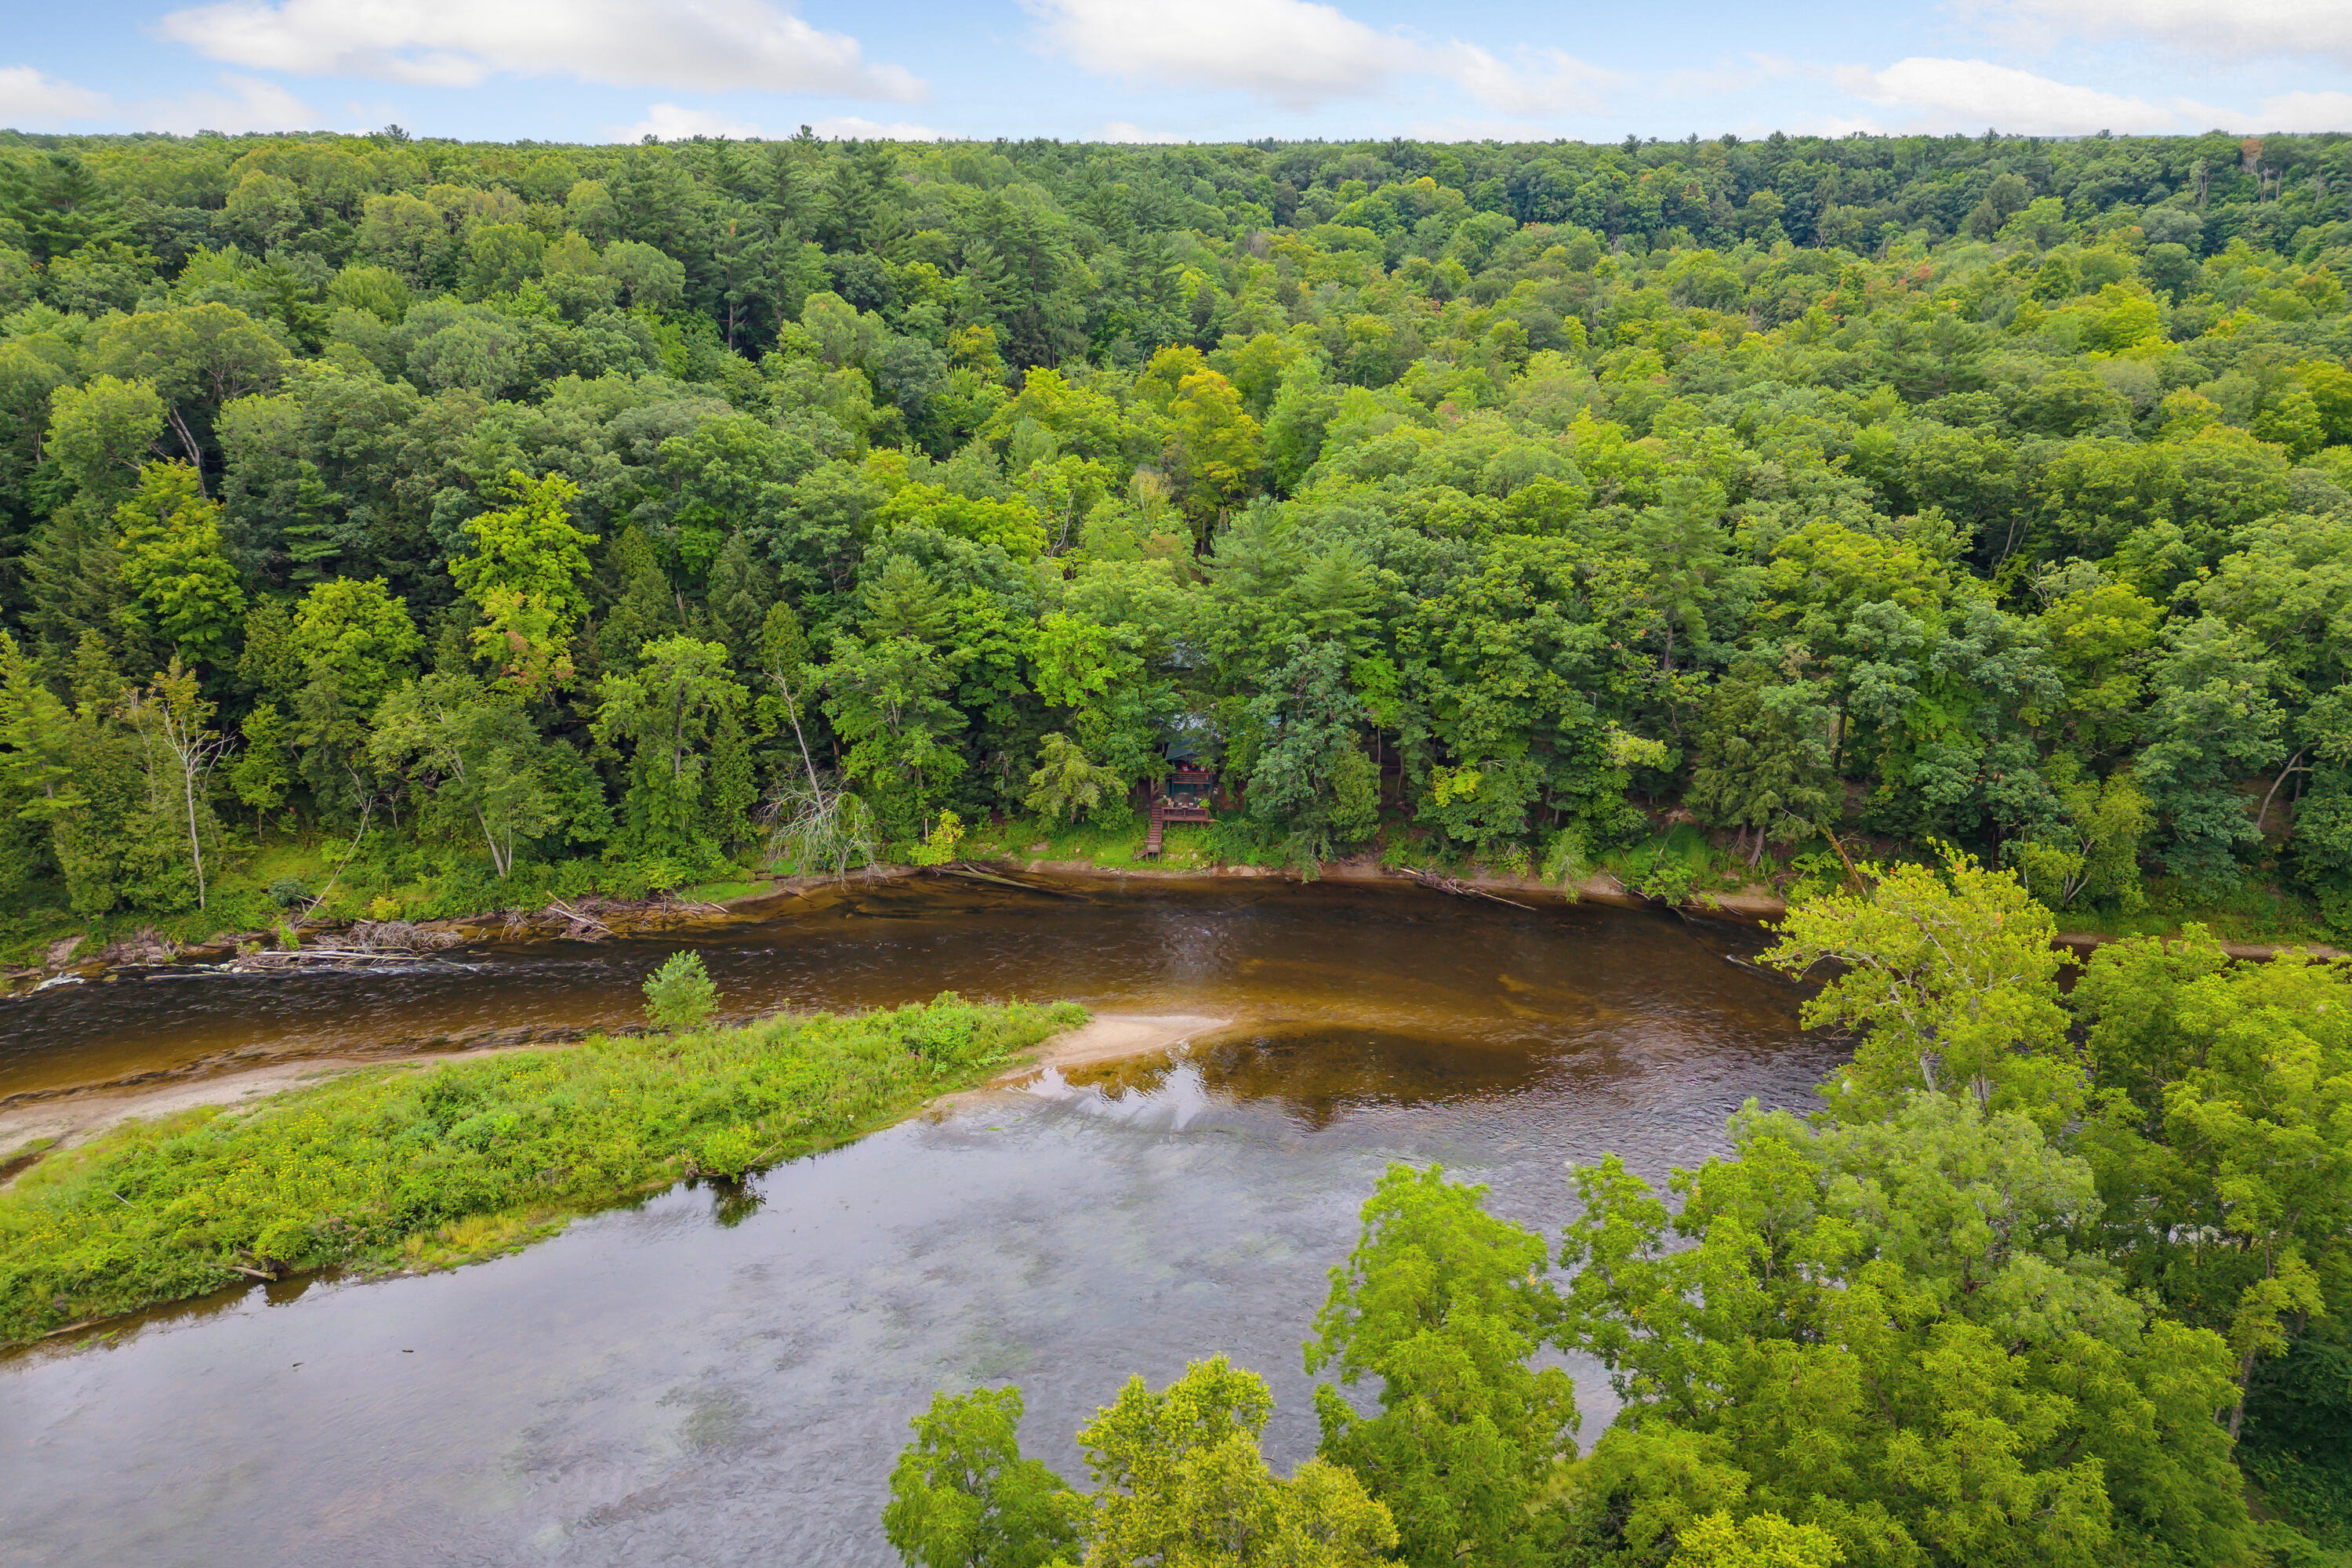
<point x="579" y="517"/>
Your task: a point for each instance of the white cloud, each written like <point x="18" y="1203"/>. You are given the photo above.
<point x="1296" y="52"/>
<point x="1466" y="128"/>
<point x="1120" y="130"/>
<point x="2302" y="112"/>
<point x="371" y="113"/>
<point x="706" y="45"/>
<point x="248" y="104"/>
<point x="851" y="127"/>
<point x="1743" y="75"/>
<point x="2200" y="116"/>
<point x="1831" y="127"/>
<point x="673" y="123"/>
<point x="1291" y="52"/>
<point x="1549" y="82"/>
<point x="2208" y="27"/>
<point x="1813" y="121"/>
<point x="1971" y="95"/>
<point x="30" y="99"/>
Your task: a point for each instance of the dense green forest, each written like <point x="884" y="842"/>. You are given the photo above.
<point x="2044" y="1265"/>
<point x="534" y="520"/>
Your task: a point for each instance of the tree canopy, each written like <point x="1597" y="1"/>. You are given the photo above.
<point x="1506" y="502"/>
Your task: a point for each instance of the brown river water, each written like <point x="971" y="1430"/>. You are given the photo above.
<point x="710" y="1379"/>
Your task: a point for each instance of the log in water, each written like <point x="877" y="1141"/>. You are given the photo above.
<point x="716" y="1377"/>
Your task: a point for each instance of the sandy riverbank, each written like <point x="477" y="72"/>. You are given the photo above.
<point x="75" y="1117"/>
<point x="1105" y="1037"/>
<point x="1115" y="1036"/>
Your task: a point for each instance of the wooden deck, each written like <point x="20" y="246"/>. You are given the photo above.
<point x="1162" y="814"/>
<point x="1183" y="796"/>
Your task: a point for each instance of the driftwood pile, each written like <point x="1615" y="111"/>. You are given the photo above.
<point x="594" y="919"/>
<point x="149" y="947"/>
<point x="365" y="942"/>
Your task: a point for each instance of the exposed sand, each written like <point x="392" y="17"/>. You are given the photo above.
<point x="76" y="1118"/>
<point x="71" y="1118"/>
<point x="1105" y="1037"/>
<point x="1114" y="1036"/>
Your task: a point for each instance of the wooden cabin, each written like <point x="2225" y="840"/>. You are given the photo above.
<point x="1182" y="796"/>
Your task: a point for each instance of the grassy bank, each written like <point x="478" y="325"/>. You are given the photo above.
<point x="404" y="1167"/>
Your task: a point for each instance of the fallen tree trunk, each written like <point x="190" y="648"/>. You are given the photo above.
<point x="1462" y="889"/>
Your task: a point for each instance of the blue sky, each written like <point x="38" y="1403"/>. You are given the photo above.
<point x="606" y="70"/>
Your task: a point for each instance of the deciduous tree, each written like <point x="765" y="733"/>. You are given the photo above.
<point x="1884" y="1331"/>
<point x="1445" y="1305"/>
<point x="962" y="1496"/>
<point x="1947" y="976"/>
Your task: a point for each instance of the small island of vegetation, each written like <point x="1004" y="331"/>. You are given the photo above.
<point x="411" y="1166"/>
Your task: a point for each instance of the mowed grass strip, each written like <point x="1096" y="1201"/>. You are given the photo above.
<point x="408" y="1167"/>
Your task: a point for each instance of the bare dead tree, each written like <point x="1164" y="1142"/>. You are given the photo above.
<point x="170" y="716"/>
<point x="819" y="823"/>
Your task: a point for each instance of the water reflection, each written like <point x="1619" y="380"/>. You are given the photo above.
<point x="723" y="1373"/>
<point x="1313" y="1072"/>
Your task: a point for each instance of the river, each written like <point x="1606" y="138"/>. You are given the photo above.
<point x="706" y="1380"/>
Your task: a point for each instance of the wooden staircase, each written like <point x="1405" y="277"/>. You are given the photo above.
<point x="1185" y="799"/>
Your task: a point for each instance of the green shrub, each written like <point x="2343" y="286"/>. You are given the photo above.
<point x="680" y="994"/>
<point x="1238" y="840"/>
<point x="942" y="845"/>
<point x="727" y="1151"/>
<point x="945" y="1036"/>
<point x="1564" y="857"/>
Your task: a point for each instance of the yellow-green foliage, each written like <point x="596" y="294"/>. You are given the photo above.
<point x="406" y="1166"/>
